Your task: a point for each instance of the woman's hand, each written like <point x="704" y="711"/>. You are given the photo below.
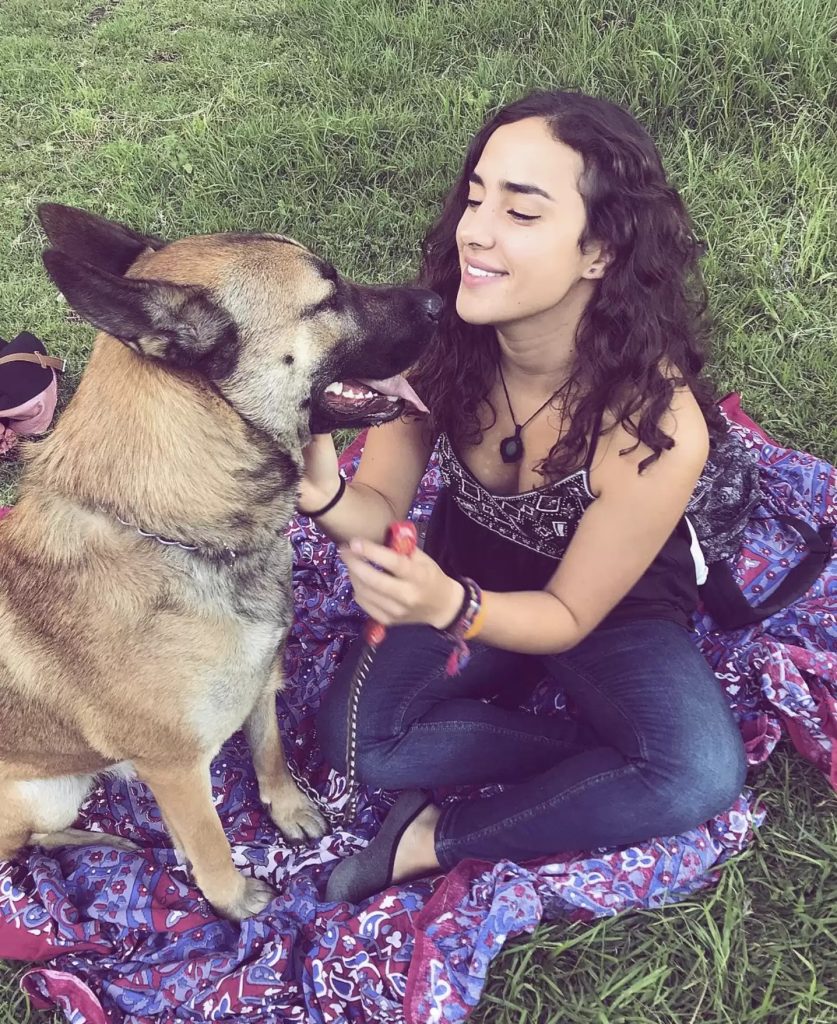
<point x="320" y="478"/>
<point x="412" y="588"/>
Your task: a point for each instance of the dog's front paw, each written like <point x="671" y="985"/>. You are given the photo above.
<point x="296" y="817"/>
<point x="252" y="897"/>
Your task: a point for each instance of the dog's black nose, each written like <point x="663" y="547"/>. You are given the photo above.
<point x="432" y="306"/>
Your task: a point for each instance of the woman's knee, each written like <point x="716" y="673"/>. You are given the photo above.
<point x="378" y="767"/>
<point x="707" y="783"/>
<point x="373" y="762"/>
<point x="373" y="752"/>
<point x="379" y="699"/>
<point x="725" y="773"/>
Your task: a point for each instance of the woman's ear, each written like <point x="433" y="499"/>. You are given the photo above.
<point x="598" y="259"/>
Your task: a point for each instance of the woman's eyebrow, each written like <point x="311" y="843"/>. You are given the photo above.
<point x="513" y="186"/>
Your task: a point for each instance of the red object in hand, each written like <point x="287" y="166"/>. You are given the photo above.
<point x="403" y="539"/>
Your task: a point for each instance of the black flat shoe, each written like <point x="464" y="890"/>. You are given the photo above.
<point x="370" y="870"/>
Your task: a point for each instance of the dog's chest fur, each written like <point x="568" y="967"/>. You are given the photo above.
<point x="251" y="597"/>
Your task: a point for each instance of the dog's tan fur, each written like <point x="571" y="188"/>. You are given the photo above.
<point x="119" y="650"/>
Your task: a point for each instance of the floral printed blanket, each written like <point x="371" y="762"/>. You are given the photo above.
<point x="125" y="937"/>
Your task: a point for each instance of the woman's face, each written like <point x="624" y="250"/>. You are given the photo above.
<point x="518" y="237"/>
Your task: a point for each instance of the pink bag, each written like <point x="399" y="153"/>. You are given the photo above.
<point x="28" y="389"/>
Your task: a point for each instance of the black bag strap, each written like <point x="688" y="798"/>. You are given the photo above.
<point x="722" y="596"/>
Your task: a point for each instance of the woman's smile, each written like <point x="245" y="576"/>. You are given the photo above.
<point x="476" y="273"/>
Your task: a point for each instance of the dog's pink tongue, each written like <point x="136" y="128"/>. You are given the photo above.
<point x="399" y="387"/>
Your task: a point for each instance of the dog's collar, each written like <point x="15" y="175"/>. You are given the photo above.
<point x="226" y="555"/>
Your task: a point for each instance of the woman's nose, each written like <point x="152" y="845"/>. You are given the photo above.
<point x="475" y="229"/>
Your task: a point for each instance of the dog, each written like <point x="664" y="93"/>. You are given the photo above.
<point x="145" y="575"/>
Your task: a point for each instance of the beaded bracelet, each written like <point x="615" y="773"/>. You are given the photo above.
<point x="466" y="624"/>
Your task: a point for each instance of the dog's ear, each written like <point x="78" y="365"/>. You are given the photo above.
<point x="97" y="241"/>
<point x="180" y="325"/>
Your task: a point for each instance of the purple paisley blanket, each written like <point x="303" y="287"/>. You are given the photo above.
<point x="125" y="937"/>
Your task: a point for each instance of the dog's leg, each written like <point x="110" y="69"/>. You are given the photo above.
<point x="80" y="837"/>
<point x="184" y="796"/>
<point x="39" y="812"/>
<point x="176" y="841"/>
<point x="15" y="827"/>
<point x="13" y="837"/>
<point x="294" y="814"/>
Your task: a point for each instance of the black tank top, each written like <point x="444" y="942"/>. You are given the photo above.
<point x="515" y="541"/>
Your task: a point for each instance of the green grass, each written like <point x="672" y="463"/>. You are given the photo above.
<point x="758" y="948"/>
<point x="343" y="124"/>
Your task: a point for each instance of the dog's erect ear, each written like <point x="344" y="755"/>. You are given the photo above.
<point x="178" y="324"/>
<point x="97" y="241"/>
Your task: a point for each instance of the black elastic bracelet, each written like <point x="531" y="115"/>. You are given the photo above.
<point x="327" y="508"/>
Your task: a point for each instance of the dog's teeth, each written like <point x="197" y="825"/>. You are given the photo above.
<point x="338" y="388"/>
<point x="392" y="398"/>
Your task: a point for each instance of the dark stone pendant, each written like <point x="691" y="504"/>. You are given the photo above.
<point x="511" y="448"/>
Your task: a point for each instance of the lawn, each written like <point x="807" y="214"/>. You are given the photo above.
<point x="342" y="124"/>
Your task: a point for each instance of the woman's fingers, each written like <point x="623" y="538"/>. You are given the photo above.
<point x="371" y="579"/>
<point x="368" y="576"/>
<point x="407" y="590"/>
<point x="385" y="613"/>
<point x="386" y="558"/>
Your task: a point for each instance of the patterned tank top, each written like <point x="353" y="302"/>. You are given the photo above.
<point x="516" y="541"/>
<point x="542" y="520"/>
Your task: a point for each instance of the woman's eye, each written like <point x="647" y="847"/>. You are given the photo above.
<point x="472" y="204"/>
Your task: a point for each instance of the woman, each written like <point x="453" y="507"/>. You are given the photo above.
<point x="572" y="422"/>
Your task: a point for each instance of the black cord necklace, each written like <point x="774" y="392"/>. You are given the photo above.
<point x="511" y="447"/>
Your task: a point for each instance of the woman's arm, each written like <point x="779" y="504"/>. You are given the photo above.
<point x="618" y="537"/>
<point x="394" y="458"/>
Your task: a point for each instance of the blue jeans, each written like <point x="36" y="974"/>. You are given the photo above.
<point x="652" y="750"/>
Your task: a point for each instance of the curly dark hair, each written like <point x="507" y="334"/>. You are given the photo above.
<point x="647" y="311"/>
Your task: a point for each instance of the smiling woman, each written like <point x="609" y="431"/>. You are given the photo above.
<point x="572" y="424"/>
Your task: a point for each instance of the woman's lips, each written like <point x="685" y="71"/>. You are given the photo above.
<point x="474" y="275"/>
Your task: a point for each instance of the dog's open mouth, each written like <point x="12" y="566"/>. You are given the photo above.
<point x="369" y="399"/>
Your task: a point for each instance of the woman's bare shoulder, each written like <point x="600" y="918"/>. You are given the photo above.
<point x="618" y="450"/>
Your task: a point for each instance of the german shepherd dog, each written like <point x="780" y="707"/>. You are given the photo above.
<point x="145" y="579"/>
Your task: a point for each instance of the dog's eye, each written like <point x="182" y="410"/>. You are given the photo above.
<point x="333" y="302"/>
